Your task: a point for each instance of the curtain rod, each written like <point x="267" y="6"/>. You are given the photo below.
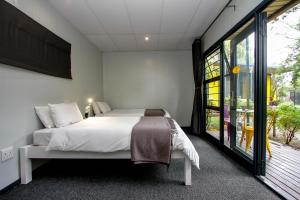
<point x="227" y="5"/>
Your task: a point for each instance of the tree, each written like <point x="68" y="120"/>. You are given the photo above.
<point x="272" y="118"/>
<point x="288" y="120"/>
<point x="292" y="62"/>
<point x="291" y="65"/>
<point x="278" y="88"/>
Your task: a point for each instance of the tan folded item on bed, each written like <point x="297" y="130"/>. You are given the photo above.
<point x="151" y="140"/>
<point x="154" y="112"/>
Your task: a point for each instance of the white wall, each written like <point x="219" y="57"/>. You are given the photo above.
<point x="151" y="79"/>
<point x="228" y="19"/>
<point x="20" y="90"/>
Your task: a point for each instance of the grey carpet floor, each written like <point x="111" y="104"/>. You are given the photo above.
<point x="219" y="178"/>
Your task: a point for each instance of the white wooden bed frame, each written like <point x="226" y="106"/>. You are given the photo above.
<point x="29" y="152"/>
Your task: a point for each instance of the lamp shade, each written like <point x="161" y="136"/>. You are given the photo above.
<point x="90" y="100"/>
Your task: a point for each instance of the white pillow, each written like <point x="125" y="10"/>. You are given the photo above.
<point x="43" y="113"/>
<point x="65" y="113"/>
<point x="104" y="107"/>
<point x="96" y="108"/>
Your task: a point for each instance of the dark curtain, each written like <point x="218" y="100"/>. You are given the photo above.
<point x="197" y="115"/>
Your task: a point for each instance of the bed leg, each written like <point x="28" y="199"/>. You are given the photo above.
<point x="26" y="167"/>
<point x="187" y="171"/>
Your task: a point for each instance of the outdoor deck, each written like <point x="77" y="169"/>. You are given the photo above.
<point x="283" y="170"/>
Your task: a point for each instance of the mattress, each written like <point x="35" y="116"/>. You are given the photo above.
<point x="42" y="137"/>
<point x="126" y="113"/>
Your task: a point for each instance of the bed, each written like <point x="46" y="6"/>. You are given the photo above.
<point x="97" y="138"/>
<point x="101" y="109"/>
<point x="126" y="112"/>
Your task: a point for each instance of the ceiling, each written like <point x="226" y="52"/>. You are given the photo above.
<point x="122" y="25"/>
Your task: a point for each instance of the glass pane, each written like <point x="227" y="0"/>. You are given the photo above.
<point x="226" y="57"/>
<point x="213" y="93"/>
<point x="239" y="90"/>
<point x="213" y="123"/>
<point x="212" y="65"/>
<point x="245" y="94"/>
<point x="244" y="51"/>
<point x="227" y="126"/>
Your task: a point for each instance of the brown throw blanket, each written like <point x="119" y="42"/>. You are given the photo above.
<point x="151" y="140"/>
<point x="154" y="112"/>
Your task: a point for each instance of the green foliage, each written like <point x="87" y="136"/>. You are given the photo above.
<point x="212" y="120"/>
<point x="272" y="112"/>
<point x="288" y="120"/>
<point x="215" y="123"/>
<point x="227" y="100"/>
<point x="272" y="115"/>
<point x="278" y="87"/>
<point x="243" y="104"/>
<point x="292" y="64"/>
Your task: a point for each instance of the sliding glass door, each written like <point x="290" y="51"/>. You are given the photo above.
<point x="234" y="93"/>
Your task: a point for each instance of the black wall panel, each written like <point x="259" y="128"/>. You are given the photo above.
<point x="26" y="44"/>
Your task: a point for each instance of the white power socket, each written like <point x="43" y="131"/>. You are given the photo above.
<point x="7" y="154"/>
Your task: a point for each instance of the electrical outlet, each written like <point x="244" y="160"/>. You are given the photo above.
<point x="7" y="154"/>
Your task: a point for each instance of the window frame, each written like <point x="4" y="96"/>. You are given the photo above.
<point x="207" y="82"/>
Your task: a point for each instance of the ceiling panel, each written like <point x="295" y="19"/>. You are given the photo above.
<point x="177" y="15"/>
<point x="125" y="42"/>
<point x="169" y="41"/>
<point x="77" y="12"/>
<point x="145" y="15"/>
<point x="151" y="44"/>
<point x="112" y="14"/>
<point x="103" y="42"/>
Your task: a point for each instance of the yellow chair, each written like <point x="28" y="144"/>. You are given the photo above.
<point x="249" y="132"/>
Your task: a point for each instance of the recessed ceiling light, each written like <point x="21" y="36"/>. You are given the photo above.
<point x="146" y="38"/>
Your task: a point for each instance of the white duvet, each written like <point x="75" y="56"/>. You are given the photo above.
<point x="109" y="134"/>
